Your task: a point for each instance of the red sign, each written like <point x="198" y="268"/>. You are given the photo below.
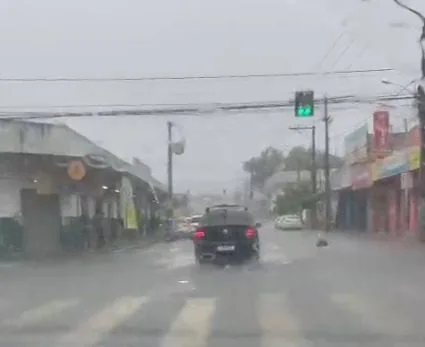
<point x="381" y="131"/>
<point x="361" y="176"/>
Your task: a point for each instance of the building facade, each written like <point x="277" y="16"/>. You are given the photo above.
<point x="378" y="194"/>
<point x="53" y="178"/>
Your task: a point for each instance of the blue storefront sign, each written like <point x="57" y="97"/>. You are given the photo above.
<point x="393" y="165"/>
<point x="355" y="143"/>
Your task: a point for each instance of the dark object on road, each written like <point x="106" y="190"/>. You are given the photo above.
<point x="321" y="242"/>
<point x="226" y="235"/>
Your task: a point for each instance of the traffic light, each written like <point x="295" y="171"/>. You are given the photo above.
<point x="304" y="103"/>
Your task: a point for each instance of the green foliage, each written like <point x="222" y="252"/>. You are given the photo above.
<point x="265" y="165"/>
<point x="272" y="160"/>
<point x="292" y="199"/>
<point x="300" y="158"/>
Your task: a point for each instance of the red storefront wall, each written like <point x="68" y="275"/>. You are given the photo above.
<point x="386" y="205"/>
<point x="392" y="212"/>
<point x="414" y="204"/>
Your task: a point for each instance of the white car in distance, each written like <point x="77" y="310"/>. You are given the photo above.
<point x="289" y="222"/>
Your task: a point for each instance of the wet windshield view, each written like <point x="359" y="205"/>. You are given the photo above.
<point x="188" y="173"/>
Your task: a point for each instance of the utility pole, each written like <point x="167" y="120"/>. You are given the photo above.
<point x="420" y="100"/>
<point x="313" y="176"/>
<point x="313" y="169"/>
<point x="170" y="169"/>
<point x="327" y="178"/>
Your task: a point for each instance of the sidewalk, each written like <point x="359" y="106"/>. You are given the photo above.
<point x="124" y="245"/>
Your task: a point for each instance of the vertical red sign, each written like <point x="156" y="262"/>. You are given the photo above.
<point x="381" y="131"/>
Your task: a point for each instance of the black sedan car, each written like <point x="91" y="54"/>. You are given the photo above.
<point x="225" y="235"/>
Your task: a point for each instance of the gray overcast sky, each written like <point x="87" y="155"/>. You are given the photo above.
<point x="130" y="38"/>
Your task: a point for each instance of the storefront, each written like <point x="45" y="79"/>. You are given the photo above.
<point x="410" y="185"/>
<point x="341" y="186"/>
<point x="388" y="200"/>
<point x="361" y="181"/>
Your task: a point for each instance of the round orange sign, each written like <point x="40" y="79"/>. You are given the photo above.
<point x="76" y="170"/>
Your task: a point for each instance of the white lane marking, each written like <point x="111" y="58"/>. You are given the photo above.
<point x="92" y="331"/>
<point x="375" y="315"/>
<point x="8" y="265"/>
<point x="177" y="262"/>
<point x="192" y="326"/>
<point x="278" y="325"/>
<point x="40" y="313"/>
<point x="274" y="257"/>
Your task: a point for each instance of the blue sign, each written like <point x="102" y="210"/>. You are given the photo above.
<point x="393" y="165"/>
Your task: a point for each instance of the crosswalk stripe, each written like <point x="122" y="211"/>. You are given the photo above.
<point x="376" y="317"/>
<point x="40" y="313"/>
<point x="192" y="326"/>
<point x="93" y="330"/>
<point x="276" y="319"/>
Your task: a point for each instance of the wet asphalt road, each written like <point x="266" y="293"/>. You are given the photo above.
<point x="356" y="292"/>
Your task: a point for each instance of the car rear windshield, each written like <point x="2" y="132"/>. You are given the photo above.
<point x="227" y="217"/>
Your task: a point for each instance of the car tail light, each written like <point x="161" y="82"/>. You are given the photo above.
<point x="199" y="234"/>
<point x="250" y="233"/>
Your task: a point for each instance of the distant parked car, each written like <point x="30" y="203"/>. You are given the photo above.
<point x="289" y="222"/>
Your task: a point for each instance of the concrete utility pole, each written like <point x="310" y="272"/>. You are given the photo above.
<point x="328" y="213"/>
<point x="170" y="168"/>
<point x="313" y="169"/>
<point x="420" y="100"/>
<point x="421" y="40"/>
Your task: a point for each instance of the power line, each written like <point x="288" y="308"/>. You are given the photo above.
<point x="177" y="78"/>
<point x="197" y="110"/>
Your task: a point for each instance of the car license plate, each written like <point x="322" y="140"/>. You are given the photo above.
<point x="225" y="248"/>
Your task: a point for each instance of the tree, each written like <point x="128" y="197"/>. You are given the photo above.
<point x="300" y="158"/>
<point x="292" y="198"/>
<point x="271" y="160"/>
<point x="265" y="165"/>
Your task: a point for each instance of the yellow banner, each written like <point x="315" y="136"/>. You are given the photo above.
<point x="414" y="158"/>
<point x="130" y="216"/>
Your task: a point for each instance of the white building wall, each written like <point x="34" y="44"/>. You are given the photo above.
<point x="10" y="196"/>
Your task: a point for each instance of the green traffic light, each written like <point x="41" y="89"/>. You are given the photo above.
<point x="305" y="111"/>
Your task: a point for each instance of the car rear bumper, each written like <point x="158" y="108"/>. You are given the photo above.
<point x="209" y="253"/>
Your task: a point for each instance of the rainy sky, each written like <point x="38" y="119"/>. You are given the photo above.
<point x="139" y="38"/>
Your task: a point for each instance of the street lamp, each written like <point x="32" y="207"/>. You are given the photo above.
<point x="402" y="87"/>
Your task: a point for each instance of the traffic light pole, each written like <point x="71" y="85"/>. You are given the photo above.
<point x="327" y="169"/>
<point x="313" y="170"/>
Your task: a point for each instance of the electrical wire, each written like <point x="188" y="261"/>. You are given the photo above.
<point x="177" y="78"/>
<point x="341" y="34"/>
<point x="344" y="51"/>
<point x="199" y="110"/>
